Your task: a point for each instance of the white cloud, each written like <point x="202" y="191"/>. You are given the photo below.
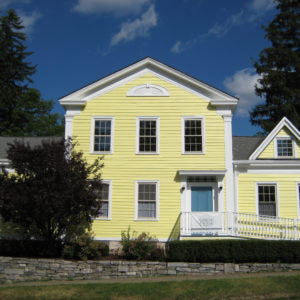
<point x="118" y="7"/>
<point x="262" y="5"/>
<point x="242" y="84"/>
<point x="29" y="20"/>
<point x="6" y="3"/>
<point x="136" y="28"/>
<point x="177" y="47"/>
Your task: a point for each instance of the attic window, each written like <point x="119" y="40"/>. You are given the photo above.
<point x="284" y="147"/>
<point x="148" y="90"/>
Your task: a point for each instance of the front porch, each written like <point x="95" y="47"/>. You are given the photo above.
<point x="238" y="225"/>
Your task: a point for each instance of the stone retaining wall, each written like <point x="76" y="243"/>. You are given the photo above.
<point x="25" y="269"/>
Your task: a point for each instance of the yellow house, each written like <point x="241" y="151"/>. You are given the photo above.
<point x="171" y="165"/>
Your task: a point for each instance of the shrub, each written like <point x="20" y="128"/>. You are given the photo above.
<point x="29" y="248"/>
<point x="235" y="251"/>
<point x="84" y="247"/>
<point x="141" y="247"/>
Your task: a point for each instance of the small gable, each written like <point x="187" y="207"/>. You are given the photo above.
<point x="283" y="142"/>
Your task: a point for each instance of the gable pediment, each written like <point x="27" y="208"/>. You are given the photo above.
<point x="156" y="68"/>
<point x="268" y="148"/>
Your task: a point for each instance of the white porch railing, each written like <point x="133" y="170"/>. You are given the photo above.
<point x="239" y="225"/>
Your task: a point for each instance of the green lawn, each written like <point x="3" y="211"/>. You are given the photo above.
<point x="271" y="287"/>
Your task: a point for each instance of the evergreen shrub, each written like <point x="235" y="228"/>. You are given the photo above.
<point x="234" y="251"/>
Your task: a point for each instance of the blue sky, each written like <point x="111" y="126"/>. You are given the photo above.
<point x="76" y="42"/>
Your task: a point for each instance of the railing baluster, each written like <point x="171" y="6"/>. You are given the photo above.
<point x="242" y="224"/>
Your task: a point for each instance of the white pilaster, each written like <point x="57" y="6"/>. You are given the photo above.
<point x="228" y="162"/>
<point x="70" y="113"/>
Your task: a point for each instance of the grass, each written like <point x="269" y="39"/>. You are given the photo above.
<point x="269" y="287"/>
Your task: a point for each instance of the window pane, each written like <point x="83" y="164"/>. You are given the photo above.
<point x="102" y="135"/>
<point x="147" y="138"/>
<point x="284" y="147"/>
<point x="267" y="200"/>
<point x="193" y="135"/>
<point x="146" y="200"/>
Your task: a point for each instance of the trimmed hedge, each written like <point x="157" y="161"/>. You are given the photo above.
<point x="40" y="249"/>
<point x="234" y="251"/>
<point x="29" y="248"/>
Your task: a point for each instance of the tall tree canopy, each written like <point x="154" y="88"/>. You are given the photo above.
<point x="52" y="195"/>
<point x="279" y="66"/>
<point x="22" y="111"/>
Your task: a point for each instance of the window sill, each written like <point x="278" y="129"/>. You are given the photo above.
<point x="147" y="153"/>
<point x="100" y="153"/>
<point x="101" y="219"/>
<point x="143" y="220"/>
<point x="193" y="153"/>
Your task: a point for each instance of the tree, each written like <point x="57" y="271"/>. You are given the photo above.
<point x="51" y="196"/>
<point x="279" y="66"/>
<point x="22" y="111"/>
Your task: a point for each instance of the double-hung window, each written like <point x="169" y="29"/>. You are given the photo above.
<point x="267" y="199"/>
<point x="192" y="135"/>
<point x="104" y="196"/>
<point x="147" y="200"/>
<point x="102" y="135"/>
<point x="147" y="135"/>
<point x="284" y="147"/>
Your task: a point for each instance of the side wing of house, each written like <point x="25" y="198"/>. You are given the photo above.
<point x="268" y="180"/>
<point x="166" y="142"/>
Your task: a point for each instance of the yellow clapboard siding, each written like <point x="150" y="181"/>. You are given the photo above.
<point x="287" y="192"/>
<point x="124" y="166"/>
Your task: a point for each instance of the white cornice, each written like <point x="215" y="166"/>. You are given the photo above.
<point x="269" y="163"/>
<point x="81" y="96"/>
<point x="283" y="123"/>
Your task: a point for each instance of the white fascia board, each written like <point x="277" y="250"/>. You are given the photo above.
<point x="283" y="123"/>
<point x="269" y="163"/>
<point x="201" y="172"/>
<point x="220" y="102"/>
<point x="66" y="101"/>
<point x="155" y="66"/>
<point x="4" y="162"/>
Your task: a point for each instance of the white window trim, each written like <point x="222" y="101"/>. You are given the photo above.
<point x="109" y="182"/>
<point x="94" y="118"/>
<point x="136" y="206"/>
<point x="277" y="196"/>
<point x="137" y="141"/>
<point x="202" y="118"/>
<point x="283" y="137"/>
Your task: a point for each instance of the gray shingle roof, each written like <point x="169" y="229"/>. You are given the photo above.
<point x="33" y="141"/>
<point x="244" y="146"/>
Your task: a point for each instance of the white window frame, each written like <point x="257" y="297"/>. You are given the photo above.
<point x="109" y="182"/>
<point x="183" y="119"/>
<point x="137" y="142"/>
<point x="284" y="138"/>
<point x="136" y="206"/>
<point x="104" y="118"/>
<point x="257" y="184"/>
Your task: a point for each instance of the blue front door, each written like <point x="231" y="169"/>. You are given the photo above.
<point x="202" y="199"/>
